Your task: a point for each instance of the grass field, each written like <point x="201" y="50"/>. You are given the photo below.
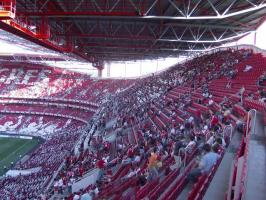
<point x="12" y="148"/>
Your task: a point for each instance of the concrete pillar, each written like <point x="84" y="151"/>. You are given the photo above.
<point x="108" y="69"/>
<point x="100" y="73"/>
<point x="100" y="70"/>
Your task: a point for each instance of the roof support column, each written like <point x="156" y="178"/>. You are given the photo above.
<point x="100" y="68"/>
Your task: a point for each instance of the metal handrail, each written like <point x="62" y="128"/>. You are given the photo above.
<point x="247" y="137"/>
<point x="254" y="121"/>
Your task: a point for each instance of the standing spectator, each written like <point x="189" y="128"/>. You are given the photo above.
<point x="241" y="92"/>
<point x="152" y="165"/>
<point x="100" y="166"/>
<point x="206" y="163"/>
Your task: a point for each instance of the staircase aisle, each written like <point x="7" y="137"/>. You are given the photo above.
<point x="256" y="174"/>
<point x="219" y="183"/>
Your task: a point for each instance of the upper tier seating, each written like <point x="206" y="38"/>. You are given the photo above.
<point x="171" y="114"/>
<point x="160" y="108"/>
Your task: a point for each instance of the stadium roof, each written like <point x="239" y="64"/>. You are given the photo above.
<point x="108" y="30"/>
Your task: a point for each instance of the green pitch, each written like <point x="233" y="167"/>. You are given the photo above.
<point x="11" y="150"/>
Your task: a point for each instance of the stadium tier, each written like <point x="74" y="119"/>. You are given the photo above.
<point x="132" y="100"/>
<point x="134" y="139"/>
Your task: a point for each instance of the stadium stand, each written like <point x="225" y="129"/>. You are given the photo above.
<point x="168" y="120"/>
<point x="163" y="121"/>
<point x="170" y="135"/>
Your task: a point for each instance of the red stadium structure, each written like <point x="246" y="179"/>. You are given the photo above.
<point x="194" y="131"/>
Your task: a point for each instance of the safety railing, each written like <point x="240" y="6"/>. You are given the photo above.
<point x="251" y="113"/>
<point x="7" y="9"/>
<point x="239" y="170"/>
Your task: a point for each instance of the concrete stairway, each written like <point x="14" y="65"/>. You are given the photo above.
<point x="256" y="170"/>
<point x="219" y="183"/>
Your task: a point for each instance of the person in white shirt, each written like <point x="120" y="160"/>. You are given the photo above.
<point x="190" y="119"/>
<point x="56" y="186"/>
<point x="211" y="139"/>
<point x="172" y="131"/>
<point x="136" y="159"/>
<point x="211" y="102"/>
<point x="241" y="92"/>
<point x="190" y="146"/>
<point x="247" y="68"/>
<point x="86" y="196"/>
<point x="76" y="197"/>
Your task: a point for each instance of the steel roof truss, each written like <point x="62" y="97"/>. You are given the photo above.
<point x="188" y="7"/>
<point x="172" y="29"/>
<point x="102" y="27"/>
<point x="200" y="36"/>
<point x="221" y="36"/>
<point x="78" y="6"/>
<point x="262" y="2"/>
<point x="194" y="8"/>
<point x="152" y="30"/>
<point x="180" y="38"/>
<point x="135" y="7"/>
<point x="193" y="35"/>
<point x="251" y="3"/>
<point x="114" y="6"/>
<point x="176" y="7"/>
<point x="214" y="36"/>
<point x="214" y="8"/>
<point x="127" y="29"/>
<point x="141" y="30"/>
<point x="149" y="9"/>
<point x="228" y="8"/>
<point x="118" y="27"/>
<point x="97" y="6"/>
<point x="43" y="5"/>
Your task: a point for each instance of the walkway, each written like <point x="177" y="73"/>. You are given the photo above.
<point x="256" y="174"/>
<point x="219" y="184"/>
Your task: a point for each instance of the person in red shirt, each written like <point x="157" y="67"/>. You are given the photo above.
<point x="100" y="166"/>
<point x="130" y="152"/>
<point x="81" y="171"/>
<point x="214" y="121"/>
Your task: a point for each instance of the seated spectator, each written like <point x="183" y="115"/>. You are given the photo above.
<point x="232" y="74"/>
<point x="261" y="79"/>
<point x="211" y="102"/>
<point x="191" y="145"/>
<point x="241" y="93"/>
<point x="251" y="96"/>
<point x="220" y="142"/>
<point x="100" y="166"/>
<point x="178" y="155"/>
<point x="152" y="165"/>
<point x="214" y="121"/>
<point x="86" y="196"/>
<point x="137" y="159"/>
<point x="225" y="118"/>
<point x="247" y="68"/>
<point x="126" y="160"/>
<point x="211" y="139"/>
<point x="262" y="97"/>
<point x="206" y="163"/>
<point x="133" y="171"/>
<point x="240" y="125"/>
<point x="229" y="84"/>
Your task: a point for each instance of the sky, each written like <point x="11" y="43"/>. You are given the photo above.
<point x="116" y="69"/>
